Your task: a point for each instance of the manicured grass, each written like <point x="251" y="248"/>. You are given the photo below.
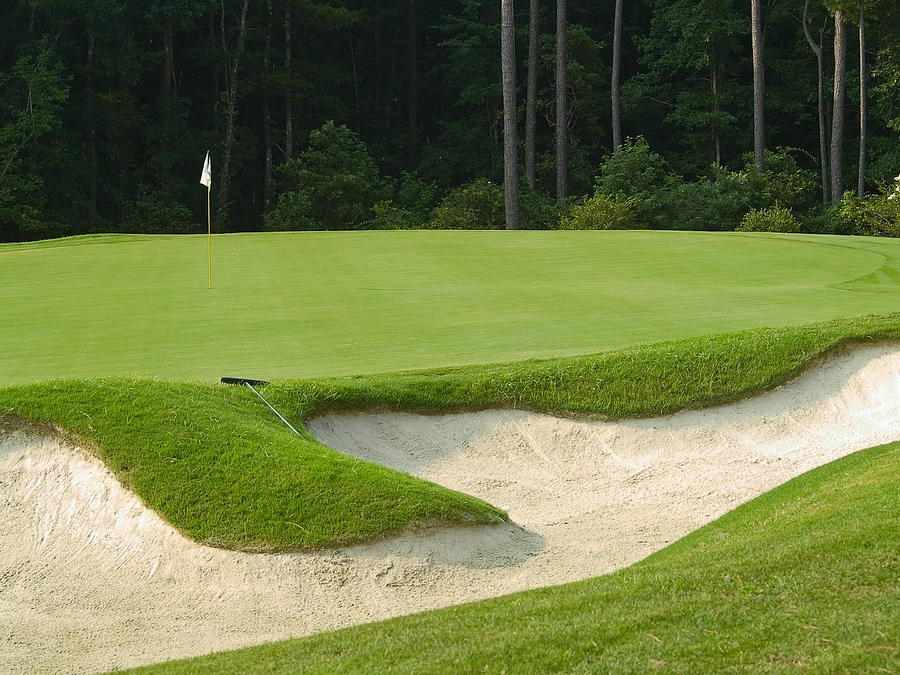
<point x="805" y="578"/>
<point x="645" y="380"/>
<point x="214" y="462"/>
<point x="311" y="304"/>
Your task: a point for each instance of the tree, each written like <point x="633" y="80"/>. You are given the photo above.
<point x="34" y="94"/>
<point x="232" y="69"/>
<point x="531" y="96"/>
<point x="510" y="143"/>
<point x="412" y="106"/>
<point x="334" y="184"/>
<point x="759" y="144"/>
<point x="691" y="55"/>
<point x="820" y="93"/>
<point x="562" y="111"/>
<point x="837" y="115"/>
<point x="861" y="183"/>
<point x="616" y="70"/>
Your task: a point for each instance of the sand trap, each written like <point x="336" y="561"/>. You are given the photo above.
<point x="90" y="580"/>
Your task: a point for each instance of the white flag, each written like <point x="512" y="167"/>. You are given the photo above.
<point x="206" y="176"/>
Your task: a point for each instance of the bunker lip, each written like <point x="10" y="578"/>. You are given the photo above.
<point x="97" y="581"/>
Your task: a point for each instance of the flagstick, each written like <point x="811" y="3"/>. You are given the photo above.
<point x="208" y="242"/>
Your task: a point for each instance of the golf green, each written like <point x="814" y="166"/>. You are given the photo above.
<point x="330" y="303"/>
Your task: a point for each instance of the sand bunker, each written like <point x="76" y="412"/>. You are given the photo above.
<point x="90" y="580"/>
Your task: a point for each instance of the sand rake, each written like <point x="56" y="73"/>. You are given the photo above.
<point x="258" y="383"/>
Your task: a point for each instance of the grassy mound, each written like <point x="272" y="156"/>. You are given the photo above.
<point x="805" y="577"/>
<point x="641" y="381"/>
<point x="217" y="465"/>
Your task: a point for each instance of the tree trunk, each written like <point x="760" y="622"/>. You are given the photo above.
<point x="267" y="114"/>
<point x="289" y="94"/>
<point x="759" y="87"/>
<point x="531" y="97"/>
<point x="510" y="143"/>
<point x="823" y="144"/>
<point x="34" y="4"/>
<point x="231" y="96"/>
<point x="616" y="70"/>
<point x="168" y="69"/>
<point x="356" y="114"/>
<point x="412" y="104"/>
<point x="861" y="183"/>
<point x="92" y="136"/>
<point x="562" y="122"/>
<point x="837" y="113"/>
<point x="716" y="135"/>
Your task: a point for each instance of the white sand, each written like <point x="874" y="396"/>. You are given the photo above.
<point x="90" y="580"/>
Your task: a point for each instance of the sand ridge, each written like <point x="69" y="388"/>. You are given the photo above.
<point x="91" y="580"/>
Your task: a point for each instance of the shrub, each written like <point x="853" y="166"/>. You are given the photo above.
<point x="636" y="171"/>
<point x="771" y="219"/>
<point x="339" y="179"/>
<point x="155" y="212"/>
<point x="389" y="216"/>
<point x="720" y="201"/>
<point x="877" y="215"/>
<point x="291" y="213"/>
<point x="537" y="210"/>
<point x="602" y="212"/>
<point x="787" y="183"/>
<point x="474" y="206"/>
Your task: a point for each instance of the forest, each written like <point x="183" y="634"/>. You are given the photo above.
<point x="351" y="114"/>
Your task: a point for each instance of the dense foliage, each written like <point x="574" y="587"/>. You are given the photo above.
<point x="352" y="113"/>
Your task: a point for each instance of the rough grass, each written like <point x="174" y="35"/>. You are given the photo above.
<point x="217" y="465"/>
<point x="639" y="381"/>
<point x="805" y="578"/>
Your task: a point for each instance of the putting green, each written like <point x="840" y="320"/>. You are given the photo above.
<point x="329" y="303"/>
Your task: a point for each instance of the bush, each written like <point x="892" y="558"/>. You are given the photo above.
<point x="338" y="178"/>
<point x="293" y="212"/>
<point x="635" y="171"/>
<point x="720" y="201"/>
<point x="877" y="215"/>
<point x="787" y="183"/>
<point x="602" y="212"/>
<point x="772" y="219"/>
<point x="537" y="210"/>
<point x="154" y="212"/>
<point x="474" y="206"/>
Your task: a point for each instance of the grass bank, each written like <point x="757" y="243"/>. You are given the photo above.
<point x="216" y="464"/>
<point x="802" y="578"/>
<point x="314" y="304"/>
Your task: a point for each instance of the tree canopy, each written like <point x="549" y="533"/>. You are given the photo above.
<point x="108" y="107"/>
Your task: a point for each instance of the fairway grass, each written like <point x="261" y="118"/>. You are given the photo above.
<point x="803" y="578"/>
<point x="311" y="304"/>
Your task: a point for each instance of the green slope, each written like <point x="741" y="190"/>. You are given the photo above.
<point x="332" y="303"/>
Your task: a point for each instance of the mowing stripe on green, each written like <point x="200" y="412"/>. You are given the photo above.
<point x="309" y="304"/>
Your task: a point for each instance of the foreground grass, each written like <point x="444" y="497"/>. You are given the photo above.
<point x="217" y="465"/>
<point x="806" y="577"/>
<point x="311" y="304"/>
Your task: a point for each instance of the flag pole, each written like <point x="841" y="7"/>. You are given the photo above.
<point x="206" y="179"/>
<point x="208" y="242"/>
